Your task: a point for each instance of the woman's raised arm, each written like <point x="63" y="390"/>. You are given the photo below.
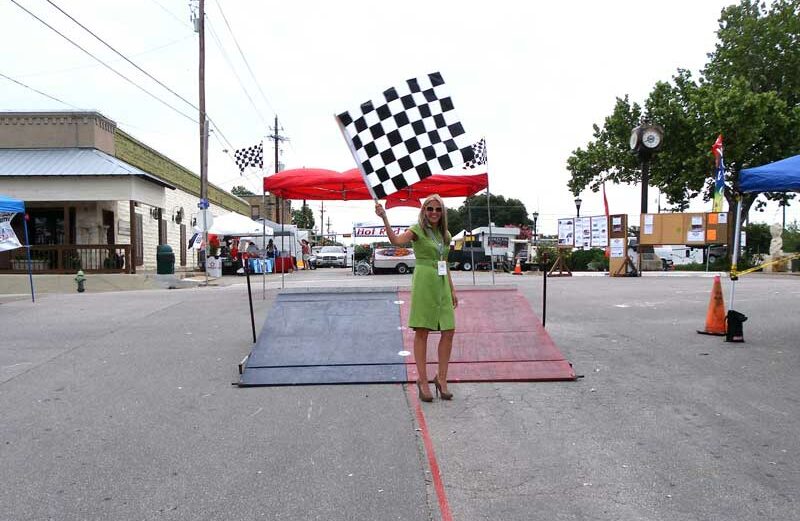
<point x="398" y="240"/>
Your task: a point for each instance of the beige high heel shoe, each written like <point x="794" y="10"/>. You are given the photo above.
<point x="422" y="396"/>
<point x="438" y="386"/>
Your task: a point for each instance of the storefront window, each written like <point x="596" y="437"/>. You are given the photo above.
<point x="48" y="227"/>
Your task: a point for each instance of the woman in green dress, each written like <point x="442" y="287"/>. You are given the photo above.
<point x="433" y="297"/>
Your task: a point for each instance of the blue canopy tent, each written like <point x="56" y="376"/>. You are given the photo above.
<point x="9" y="205"/>
<point x="780" y="176"/>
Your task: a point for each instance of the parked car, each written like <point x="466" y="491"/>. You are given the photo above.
<point x="717" y="252"/>
<point x="332" y="256"/>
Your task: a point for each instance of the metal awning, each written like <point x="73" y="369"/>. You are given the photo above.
<point x="44" y="162"/>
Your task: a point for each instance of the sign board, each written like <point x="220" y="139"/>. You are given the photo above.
<point x="694" y="229"/>
<point x="205" y="220"/>
<point x="8" y="239"/>
<point x="583" y="232"/>
<point x="566" y="233"/>
<point x="377" y="231"/>
<point x="123" y="227"/>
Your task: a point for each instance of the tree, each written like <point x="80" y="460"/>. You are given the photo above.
<point x="749" y="92"/>
<point x="303" y="218"/>
<point x="240" y="191"/>
<point x="475" y="213"/>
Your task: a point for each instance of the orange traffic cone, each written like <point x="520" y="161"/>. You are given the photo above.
<point x="517" y="269"/>
<point x="715" y="317"/>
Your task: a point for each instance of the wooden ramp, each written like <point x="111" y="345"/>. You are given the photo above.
<point x="360" y="336"/>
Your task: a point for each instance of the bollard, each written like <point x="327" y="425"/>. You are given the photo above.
<point x="80" y="279"/>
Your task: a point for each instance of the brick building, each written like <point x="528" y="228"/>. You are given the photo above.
<point x="98" y="199"/>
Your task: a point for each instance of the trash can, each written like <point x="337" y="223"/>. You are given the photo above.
<point x="734" y="331"/>
<point x="165" y="260"/>
<point x="795" y="265"/>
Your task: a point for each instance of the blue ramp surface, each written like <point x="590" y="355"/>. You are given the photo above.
<point x="329" y="337"/>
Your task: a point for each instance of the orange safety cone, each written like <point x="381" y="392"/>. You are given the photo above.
<point x="715" y="317"/>
<point x="517" y="269"/>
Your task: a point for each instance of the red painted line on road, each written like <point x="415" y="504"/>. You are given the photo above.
<point x="438" y="484"/>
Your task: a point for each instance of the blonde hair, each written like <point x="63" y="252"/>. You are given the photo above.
<point x="422" y="220"/>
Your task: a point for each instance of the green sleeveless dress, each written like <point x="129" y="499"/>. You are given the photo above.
<point x="431" y="298"/>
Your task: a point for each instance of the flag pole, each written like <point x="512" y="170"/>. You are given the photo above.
<point x="263" y="227"/>
<point x="489" y="213"/>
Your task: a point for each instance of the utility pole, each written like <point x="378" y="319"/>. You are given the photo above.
<point x="277" y="138"/>
<point x="322" y="218"/>
<point x="199" y="21"/>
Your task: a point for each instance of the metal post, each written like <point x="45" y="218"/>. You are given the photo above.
<point x="737" y="233"/>
<point x="250" y="299"/>
<point x="263" y="237"/>
<point x="471" y="251"/>
<point x="645" y="181"/>
<point x="27" y="252"/>
<point x="491" y="244"/>
<point x="544" y="292"/>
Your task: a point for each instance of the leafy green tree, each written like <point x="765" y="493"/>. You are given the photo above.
<point x="241" y="190"/>
<point x="475" y="213"/>
<point x="749" y="92"/>
<point x="791" y="238"/>
<point x="758" y="238"/>
<point x="303" y="218"/>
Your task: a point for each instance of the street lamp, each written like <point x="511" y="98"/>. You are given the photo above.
<point x="535" y="216"/>
<point x="578" y="202"/>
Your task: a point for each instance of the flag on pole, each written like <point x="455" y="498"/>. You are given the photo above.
<point x="250" y="156"/>
<point x="605" y="203"/>
<point x="405" y="135"/>
<point x="719" y="179"/>
<point x="480" y="159"/>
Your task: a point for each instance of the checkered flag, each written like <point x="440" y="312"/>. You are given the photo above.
<point x="406" y="135"/>
<point x="250" y="156"/>
<point x="479" y="150"/>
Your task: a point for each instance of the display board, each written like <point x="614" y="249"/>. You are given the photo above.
<point x="618" y="260"/>
<point x="694" y="229"/>
<point x="583" y="232"/>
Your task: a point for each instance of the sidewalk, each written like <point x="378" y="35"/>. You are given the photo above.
<point x="19" y="284"/>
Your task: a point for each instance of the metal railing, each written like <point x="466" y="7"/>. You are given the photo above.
<point x="69" y="258"/>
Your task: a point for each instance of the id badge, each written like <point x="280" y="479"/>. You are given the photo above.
<point x="442" y="266"/>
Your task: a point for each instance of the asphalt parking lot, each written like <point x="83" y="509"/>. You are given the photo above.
<point x="120" y="405"/>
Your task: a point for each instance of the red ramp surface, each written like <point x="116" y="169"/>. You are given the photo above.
<point x="498" y="339"/>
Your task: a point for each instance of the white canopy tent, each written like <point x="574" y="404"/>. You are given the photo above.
<point x="238" y="225"/>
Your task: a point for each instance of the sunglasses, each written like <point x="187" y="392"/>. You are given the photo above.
<point x="433" y="209"/>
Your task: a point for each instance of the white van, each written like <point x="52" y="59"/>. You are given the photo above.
<point x="393" y="258"/>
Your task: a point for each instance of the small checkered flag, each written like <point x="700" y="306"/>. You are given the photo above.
<point x="250" y="156"/>
<point x="479" y="150"/>
<point x="406" y="135"/>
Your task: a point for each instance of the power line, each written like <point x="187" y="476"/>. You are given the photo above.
<point x="39" y="92"/>
<point x="121" y="55"/>
<point x="233" y="69"/>
<point x="258" y="86"/>
<point x="173" y="15"/>
<point x="50" y="72"/>
<point x="218" y="129"/>
<point x="190" y="118"/>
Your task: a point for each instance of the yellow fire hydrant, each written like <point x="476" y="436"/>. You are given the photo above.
<point x="80" y="279"/>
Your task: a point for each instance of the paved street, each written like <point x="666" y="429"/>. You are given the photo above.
<point x="120" y="405"/>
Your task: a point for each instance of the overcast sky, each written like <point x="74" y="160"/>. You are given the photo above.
<point x="532" y="77"/>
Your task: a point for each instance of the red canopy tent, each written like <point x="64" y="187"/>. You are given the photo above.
<point x="321" y="184"/>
